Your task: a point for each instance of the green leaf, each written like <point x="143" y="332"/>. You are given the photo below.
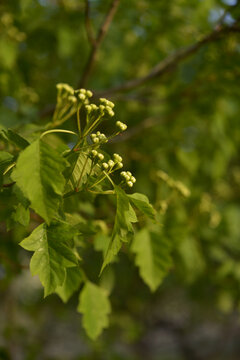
<point x="71" y="283"/>
<point x="52" y="253"/>
<point x="95" y="307"/>
<point x="15" y="139"/>
<point x="152" y="257"/>
<point x="5" y="160"/>
<point x="101" y="242"/>
<point x="38" y="173"/>
<point x="21" y="215"/>
<point x="124" y="218"/>
<point x="142" y="203"/>
<point x="81" y="166"/>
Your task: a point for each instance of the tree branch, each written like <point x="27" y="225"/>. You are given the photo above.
<point x="95" y="46"/>
<point x="88" y="24"/>
<point x="170" y="62"/>
<point x="166" y="65"/>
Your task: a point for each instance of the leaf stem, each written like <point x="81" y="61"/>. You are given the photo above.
<point x="78" y="121"/>
<point x="58" y="130"/>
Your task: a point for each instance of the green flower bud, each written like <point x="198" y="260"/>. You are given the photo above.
<point x="111" y="104"/>
<point x="123" y="127"/>
<point x="130" y="184"/>
<point x="133" y="179"/>
<point x="111" y="113"/>
<point x="89" y="93"/>
<point x="102" y="137"/>
<point x="100" y="156"/>
<point x="81" y="96"/>
<point x="72" y="99"/>
<point x="96" y="140"/>
<point x="94" y="153"/>
<point x="111" y="163"/>
<point x="123" y="174"/>
<point x="105" y="166"/>
<point x="117" y="158"/>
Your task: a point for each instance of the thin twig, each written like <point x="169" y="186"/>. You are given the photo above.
<point x="95" y="46"/>
<point x="88" y="24"/>
<point x="170" y="62"/>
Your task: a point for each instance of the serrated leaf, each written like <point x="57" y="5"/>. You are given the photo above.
<point x="71" y="283"/>
<point x="152" y="257"/>
<point x="38" y="173"/>
<point x="95" y="307"/>
<point x="142" y="203"/>
<point x="52" y="253"/>
<point x="15" y="138"/>
<point x="124" y="218"/>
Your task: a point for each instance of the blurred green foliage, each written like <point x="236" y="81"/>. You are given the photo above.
<point x="183" y="139"/>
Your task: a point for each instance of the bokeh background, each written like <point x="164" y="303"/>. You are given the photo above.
<point x="172" y="68"/>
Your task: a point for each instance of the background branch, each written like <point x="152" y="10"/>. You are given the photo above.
<point x="96" y="44"/>
<point x="88" y="24"/>
<point x="165" y="66"/>
<point x="170" y="62"/>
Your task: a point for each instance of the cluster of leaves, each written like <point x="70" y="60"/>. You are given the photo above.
<point x="43" y="180"/>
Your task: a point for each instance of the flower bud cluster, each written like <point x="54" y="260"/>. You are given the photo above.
<point x="113" y="164"/>
<point x="83" y="95"/>
<point x="66" y="92"/>
<point x="101" y="110"/>
<point x="121" y="125"/>
<point x="98" y="138"/>
<point x="106" y="102"/>
<point x="97" y="155"/>
<point x="130" y="180"/>
<point x="106" y="107"/>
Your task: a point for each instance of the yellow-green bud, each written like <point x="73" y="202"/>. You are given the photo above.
<point x="111" y="163"/>
<point x="89" y="93"/>
<point x="100" y="156"/>
<point x="105" y="166"/>
<point x="81" y="96"/>
<point x="94" y="153"/>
